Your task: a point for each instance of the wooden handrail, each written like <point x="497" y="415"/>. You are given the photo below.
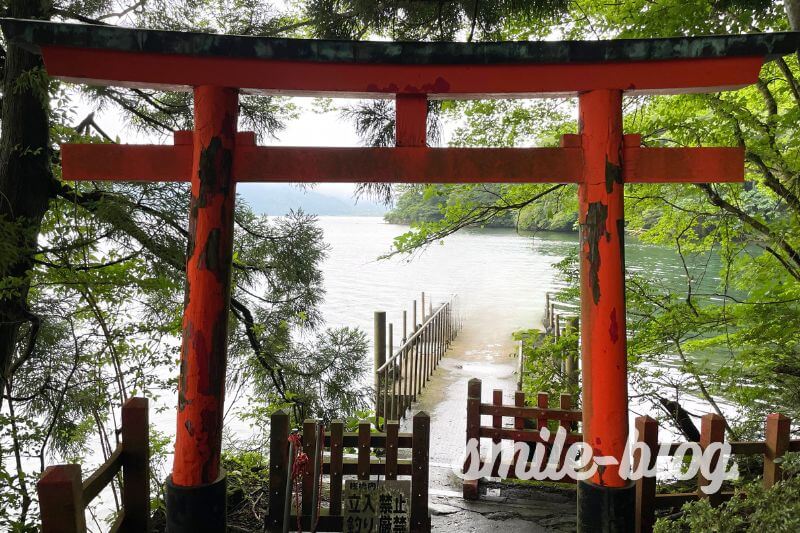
<point x="63" y="498"/>
<point x="568" y="415"/>
<point x="101" y="477"/>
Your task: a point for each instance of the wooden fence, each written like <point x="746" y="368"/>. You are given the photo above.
<point x="777" y="442"/>
<point x="528" y="422"/>
<point x="402" y="377"/>
<point x="326" y="448"/>
<point x="63" y="496"/>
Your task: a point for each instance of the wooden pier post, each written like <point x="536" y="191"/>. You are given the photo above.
<point x="379" y="354"/>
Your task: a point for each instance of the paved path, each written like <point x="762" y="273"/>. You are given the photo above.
<point x="487" y="353"/>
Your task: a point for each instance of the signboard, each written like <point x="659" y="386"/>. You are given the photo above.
<point x="377" y="507"/>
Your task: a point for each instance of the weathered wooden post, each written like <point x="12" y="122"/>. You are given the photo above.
<point x="422" y="308"/>
<point x="392" y="372"/>
<point x="379" y="355"/>
<point x="279" y="473"/>
<point x="196" y="489"/>
<point x="470" y="487"/>
<point x="712" y="429"/>
<point x="647" y="429"/>
<point x="61" y="500"/>
<point x="136" y="464"/>
<point x="777" y="441"/>
<point x="420" y="444"/>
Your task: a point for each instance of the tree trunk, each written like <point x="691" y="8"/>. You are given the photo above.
<point x="26" y="179"/>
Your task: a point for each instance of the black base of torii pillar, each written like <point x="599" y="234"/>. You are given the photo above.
<point x="606" y="509"/>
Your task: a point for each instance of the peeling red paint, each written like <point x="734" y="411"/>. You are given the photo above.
<point x="603" y="347"/>
<point x="208" y="272"/>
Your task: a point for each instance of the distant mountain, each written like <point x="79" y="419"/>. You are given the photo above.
<point x="280" y="198"/>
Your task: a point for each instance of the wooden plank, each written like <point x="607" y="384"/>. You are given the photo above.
<point x="350" y="440"/>
<point x="748" y="447"/>
<point x="531" y="412"/>
<point x="101" y="477"/>
<point x="524" y="435"/>
<point x="335" y="468"/>
<point x="364" y="449"/>
<point x="61" y="500"/>
<point x="420" y="521"/>
<point x="350" y="467"/>
<point x="392" y="429"/>
<point x="136" y="464"/>
<point x="309" y="446"/>
<point x="278" y="469"/>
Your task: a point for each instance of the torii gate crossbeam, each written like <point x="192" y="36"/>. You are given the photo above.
<point x="600" y="159"/>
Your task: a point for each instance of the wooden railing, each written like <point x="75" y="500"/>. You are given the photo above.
<point x="400" y="378"/>
<point x="777" y="442"/>
<point x="528" y="421"/>
<point x="326" y="448"/>
<point x="63" y="497"/>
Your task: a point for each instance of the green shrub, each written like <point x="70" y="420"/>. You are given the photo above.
<point x="752" y="509"/>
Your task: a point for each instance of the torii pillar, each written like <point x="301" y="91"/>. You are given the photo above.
<point x="607" y="498"/>
<point x="196" y="489"/>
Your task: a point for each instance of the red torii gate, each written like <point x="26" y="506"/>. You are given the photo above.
<point x="600" y="159"/>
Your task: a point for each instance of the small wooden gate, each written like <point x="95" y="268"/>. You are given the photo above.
<point x="336" y="466"/>
<point x="528" y="422"/>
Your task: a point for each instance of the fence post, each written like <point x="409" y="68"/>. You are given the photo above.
<point x="470" y="486"/>
<point x="777" y="441"/>
<point x="647" y="429"/>
<point x="278" y="469"/>
<point x="336" y="462"/>
<point x="497" y="425"/>
<point x="310" y="449"/>
<point x="136" y="465"/>
<point x="542" y="402"/>
<point x="392" y="381"/>
<point x="420" y="443"/>
<point x="61" y="499"/>
<point x="364" y="449"/>
<point x="422" y="308"/>
<point x="519" y="424"/>
<point x="379" y="352"/>
<point x="712" y="429"/>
